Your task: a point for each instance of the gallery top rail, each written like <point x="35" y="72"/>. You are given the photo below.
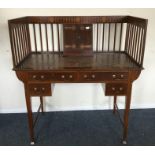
<point x="80" y="20"/>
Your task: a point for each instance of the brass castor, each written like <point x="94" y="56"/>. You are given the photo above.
<point x="32" y="143"/>
<point x="124" y="142"/>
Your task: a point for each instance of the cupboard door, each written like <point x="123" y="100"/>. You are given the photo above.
<point x="85" y="37"/>
<point x="77" y="39"/>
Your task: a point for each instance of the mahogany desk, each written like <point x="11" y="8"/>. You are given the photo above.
<point x="85" y="49"/>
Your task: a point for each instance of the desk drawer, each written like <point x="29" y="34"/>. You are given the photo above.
<point x="103" y="76"/>
<point x="53" y="76"/>
<point x="40" y="89"/>
<point x="119" y="89"/>
<point x="65" y="76"/>
<point x="40" y="76"/>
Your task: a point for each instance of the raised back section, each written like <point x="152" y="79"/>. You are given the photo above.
<point x="109" y="33"/>
<point x="135" y="39"/>
<point x="20" y="42"/>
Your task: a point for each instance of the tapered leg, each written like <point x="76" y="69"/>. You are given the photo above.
<point x="30" y="115"/>
<point x="42" y="106"/>
<point x="114" y="108"/>
<point x="126" y="113"/>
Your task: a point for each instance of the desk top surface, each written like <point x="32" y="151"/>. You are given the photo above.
<point x="105" y="61"/>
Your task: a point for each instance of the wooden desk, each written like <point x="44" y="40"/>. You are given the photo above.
<point x="39" y="69"/>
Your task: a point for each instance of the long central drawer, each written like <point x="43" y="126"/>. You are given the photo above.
<point x="80" y="76"/>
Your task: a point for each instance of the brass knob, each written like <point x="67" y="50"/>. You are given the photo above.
<point x="113" y="88"/>
<point x="85" y="76"/>
<point x="121" y="88"/>
<point x="62" y="76"/>
<point x="87" y="27"/>
<point x="43" y="89"/>
<point x="114" y="76"/>
<point x="42" y="76"/>
<point x="35" y="89"/>
<point x="122" y="76"/>
<point x="70" y="76"/>
<point x="93" y="76"/>
<point x="34" y="76"/>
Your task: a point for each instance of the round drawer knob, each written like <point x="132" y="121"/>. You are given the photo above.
<point x="113" y="88"/>
<point x="35" y="89"/>
<point x="43" y="89"/>
<point x="122" y="76"/>
<point x="85" y="76"/>
<point x="70" y="76"/>
<point x="121" y="88"/>
<point x="42" y="76"/>
<point x="87" y="27"/>
<point x="34" y="76"/>
<point x="93" y="76"/>
<point x="62" y="76"/>
<point x="114" y="76"/>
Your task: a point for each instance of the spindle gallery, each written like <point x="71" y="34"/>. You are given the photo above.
<point x="78" y="49"/>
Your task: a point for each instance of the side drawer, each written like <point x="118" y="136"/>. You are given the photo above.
<point x="118" y="89"/>
<point x="40" y="89"/>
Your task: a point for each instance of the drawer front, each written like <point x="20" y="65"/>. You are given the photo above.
<point x="119" y="89"/>
<point x="103" y="76"/>
<point x="65" y="76"/>
<point x="40" y="76"/>
<point x="118" y="76"/>
<point x="53" y="77"/>
<point x="40" y="89"/>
